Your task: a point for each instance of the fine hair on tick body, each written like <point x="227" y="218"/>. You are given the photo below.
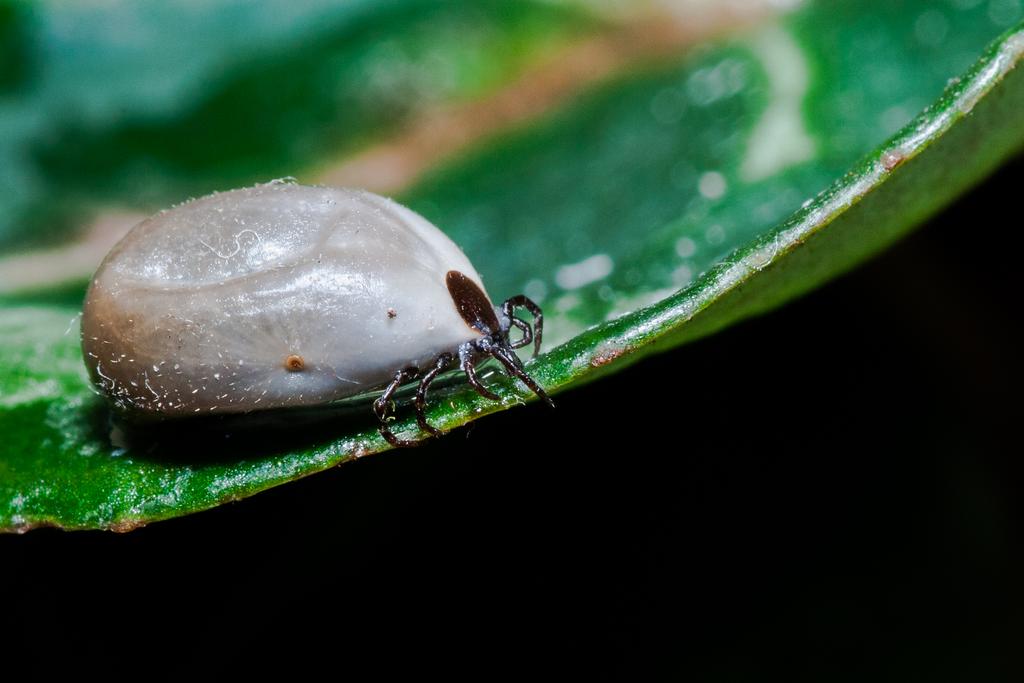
<point x="284" y="295"/>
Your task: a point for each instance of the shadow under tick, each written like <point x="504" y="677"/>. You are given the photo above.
<point x="233" y="439"/>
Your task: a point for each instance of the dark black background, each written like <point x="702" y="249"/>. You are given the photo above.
<point x="830" y="492"/>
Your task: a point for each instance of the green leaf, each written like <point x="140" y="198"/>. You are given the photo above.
<point x="653" y="210"/>
<point x="238" y="94"/>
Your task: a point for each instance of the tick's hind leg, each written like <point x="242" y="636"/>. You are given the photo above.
<point x="382" y="406"/>
<point x="440" y="365"/>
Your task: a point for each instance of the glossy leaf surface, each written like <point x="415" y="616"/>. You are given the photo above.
<point x="654" y="208"/>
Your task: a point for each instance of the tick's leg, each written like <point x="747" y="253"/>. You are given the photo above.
<point x="515" y="368"/>
<point x="538" y="317"/>
<point x="525" y="328"/>
<point x="382" y="406"/>
<point x="440" y="365"/>
<point x="468" y="358"/>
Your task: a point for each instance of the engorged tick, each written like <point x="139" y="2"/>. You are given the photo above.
<point x="277" y="291"/>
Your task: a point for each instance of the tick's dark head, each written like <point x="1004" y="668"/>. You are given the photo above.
<point x="472" y="304"/>
<point x="479" y="313"/>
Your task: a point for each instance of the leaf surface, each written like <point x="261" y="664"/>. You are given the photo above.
<point x="654" y="209"/>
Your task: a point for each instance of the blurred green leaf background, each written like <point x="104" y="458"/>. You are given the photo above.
<point x="649" y="172"/>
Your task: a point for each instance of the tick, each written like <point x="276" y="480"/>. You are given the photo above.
<point x="285" y="295"/>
